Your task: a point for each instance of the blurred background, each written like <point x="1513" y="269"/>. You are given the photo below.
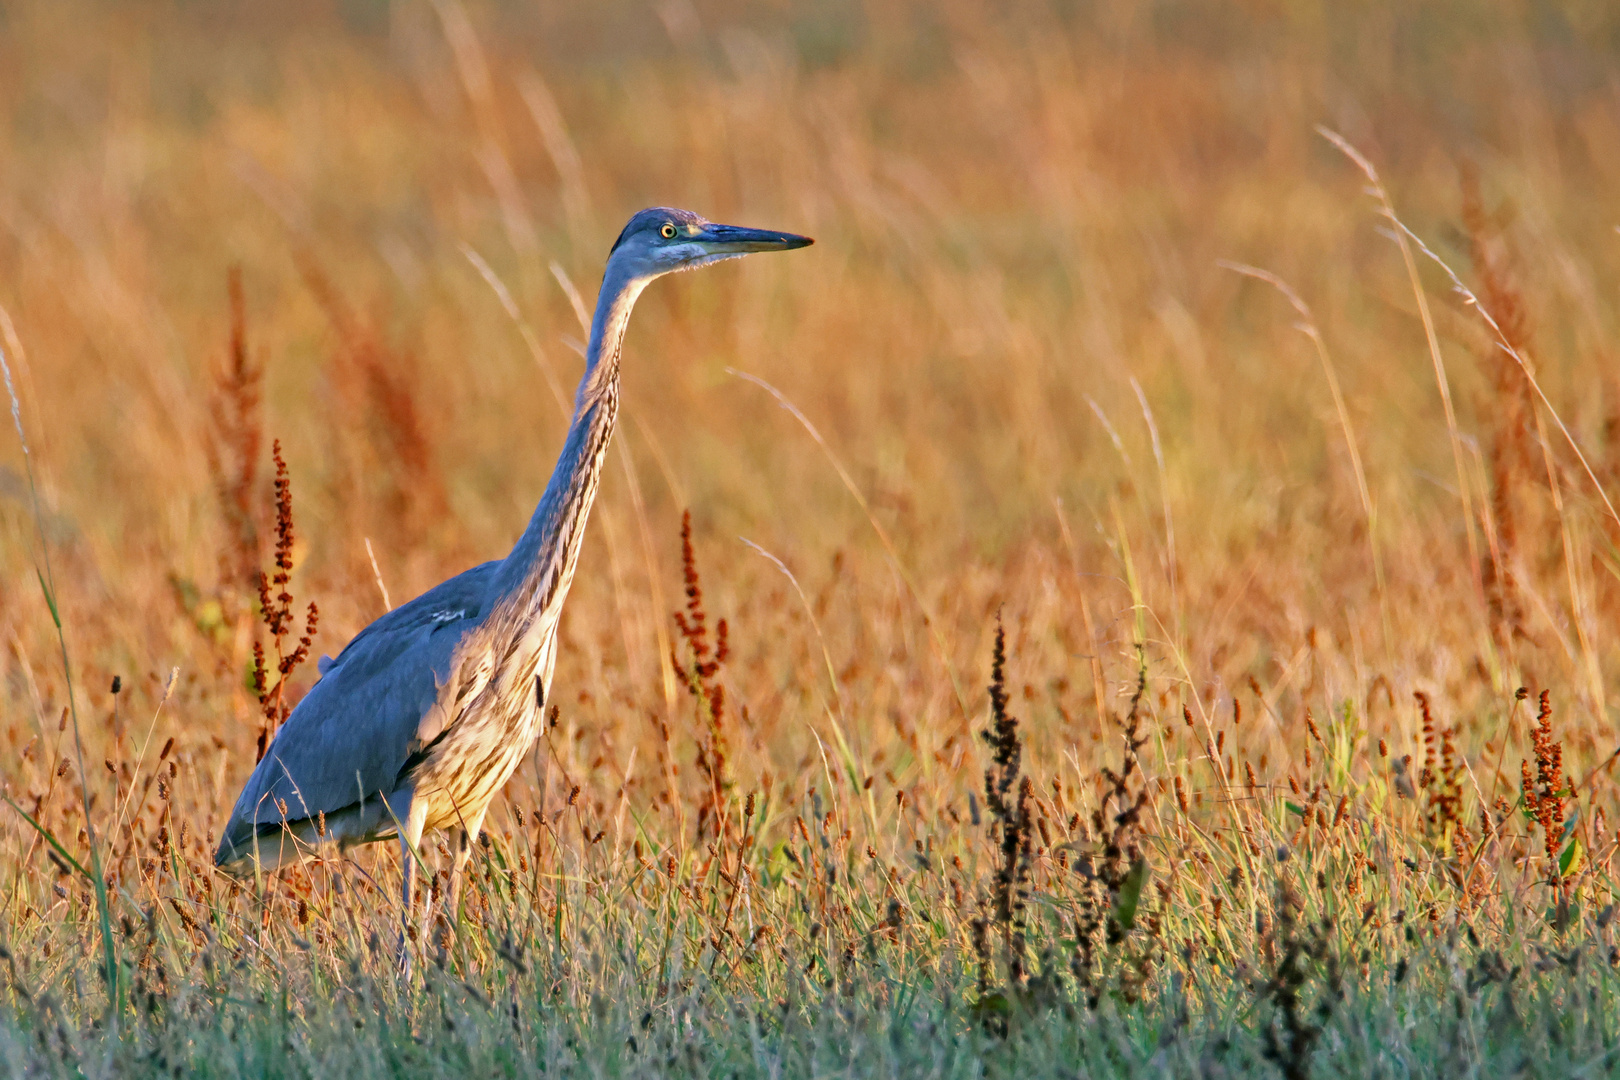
<point x="1015" y="332"/>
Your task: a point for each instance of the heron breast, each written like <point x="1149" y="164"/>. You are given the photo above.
<point x="492" y="730"/>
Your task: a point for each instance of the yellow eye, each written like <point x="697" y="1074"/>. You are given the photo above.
<point x="667" y="231"/>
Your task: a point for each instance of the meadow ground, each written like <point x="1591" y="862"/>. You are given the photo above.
<point x="1252" y="365"/>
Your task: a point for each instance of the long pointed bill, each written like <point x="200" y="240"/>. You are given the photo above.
<point x="734" y="240"/>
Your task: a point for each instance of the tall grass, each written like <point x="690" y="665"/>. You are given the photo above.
<point x="1173" y="695"/>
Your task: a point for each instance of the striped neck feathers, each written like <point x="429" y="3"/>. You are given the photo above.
<point x="536" y="575"/>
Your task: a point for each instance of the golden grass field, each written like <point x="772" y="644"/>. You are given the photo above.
<point x="1038" y="371"/>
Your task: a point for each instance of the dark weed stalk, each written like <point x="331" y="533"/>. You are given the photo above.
<point x="1011" y="801"/>
<point x="1009" y="824"/>
<point x="1441" y="777"/>
<point x="1544" y="793"/>
<point x="276" y="611"/>
<point x="1295" y="1028"/>
<point x="700" y="672"/>
<point x="1107" y="911"/>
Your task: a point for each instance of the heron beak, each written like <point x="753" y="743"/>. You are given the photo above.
<point x="734" y="240"/>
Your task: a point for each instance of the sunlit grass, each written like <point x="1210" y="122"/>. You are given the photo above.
<point x="1274" y="800"/>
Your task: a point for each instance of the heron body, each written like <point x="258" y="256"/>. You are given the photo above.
<point x="427" y="712"/>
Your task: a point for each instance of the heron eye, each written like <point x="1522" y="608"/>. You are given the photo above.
<point x="667" y="231"/>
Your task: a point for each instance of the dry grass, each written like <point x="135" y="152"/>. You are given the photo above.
<point x="1266" y="631"/>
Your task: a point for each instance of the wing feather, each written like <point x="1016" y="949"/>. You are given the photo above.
<point x="373" y="706"/>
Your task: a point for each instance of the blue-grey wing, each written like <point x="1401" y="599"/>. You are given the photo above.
<point x="374" y="706"/>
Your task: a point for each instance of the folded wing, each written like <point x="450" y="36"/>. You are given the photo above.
<point x="374" y="706"/>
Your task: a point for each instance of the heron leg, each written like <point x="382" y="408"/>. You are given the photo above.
<point x="412" y="817"/>
<point x="464" y="837"/>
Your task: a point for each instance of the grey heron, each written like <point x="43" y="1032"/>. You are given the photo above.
<point x="424" y="715"/>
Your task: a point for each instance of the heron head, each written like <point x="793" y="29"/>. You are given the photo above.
<point x="662" y="239"/>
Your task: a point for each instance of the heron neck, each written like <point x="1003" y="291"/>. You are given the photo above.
<point x="620" y="288"/>
<point x="535" y="577"/>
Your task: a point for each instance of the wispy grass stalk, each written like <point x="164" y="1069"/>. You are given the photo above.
<point x="47" y="584"/>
